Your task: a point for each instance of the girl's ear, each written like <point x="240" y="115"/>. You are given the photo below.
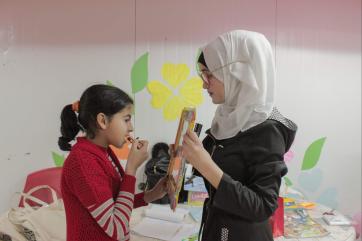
<point x="102" y="121"/>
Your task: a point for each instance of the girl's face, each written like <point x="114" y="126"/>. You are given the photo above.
<point x="119" y="126"/>
<point x="214" y="87"/>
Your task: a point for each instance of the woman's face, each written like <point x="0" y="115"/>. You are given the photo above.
<point x="214" y="87"/>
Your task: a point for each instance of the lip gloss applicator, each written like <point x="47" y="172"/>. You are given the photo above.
<point x="131" y="140"/>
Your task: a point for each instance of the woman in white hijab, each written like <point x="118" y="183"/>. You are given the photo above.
<point x="241" y="159"/>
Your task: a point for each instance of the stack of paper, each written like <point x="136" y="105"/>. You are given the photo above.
<point x="162" y="223"/>
<point x="164" y="230"/>
<point x="336" y="220"/>
<point x="156" y="228"/>
<point x="165" y="213"/>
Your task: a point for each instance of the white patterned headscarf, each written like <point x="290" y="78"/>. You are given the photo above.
<point x="243" y="61"/>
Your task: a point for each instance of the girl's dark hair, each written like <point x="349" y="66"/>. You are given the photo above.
<point x="159" y="149"/>
<point x="105" y="99"/>
<point x="201" y="59"/>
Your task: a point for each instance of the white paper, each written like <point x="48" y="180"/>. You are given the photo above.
<point x="156" y="228"/>
<point x="165" y="213"/>
<point x="186" y="231"/>
<point x="336" y="220"/>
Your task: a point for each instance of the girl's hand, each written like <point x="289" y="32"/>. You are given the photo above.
<point x="137" y="155"/>
<point x="157" y="192"/>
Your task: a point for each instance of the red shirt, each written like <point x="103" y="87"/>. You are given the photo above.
<point x="98" y="198"/>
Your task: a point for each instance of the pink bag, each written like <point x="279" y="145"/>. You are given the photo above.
<point x="277" y="220"/>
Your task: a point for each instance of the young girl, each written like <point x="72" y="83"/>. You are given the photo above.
<point x="98" y="194"/>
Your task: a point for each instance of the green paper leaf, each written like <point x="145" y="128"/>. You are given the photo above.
<point x="197" y="58"/>
<point x="312" y="154"/>
<point x="109" y="82"/>
<point x="58" y="159"/>
<point x="288" y="182"/>
<point x="139" y="73"/>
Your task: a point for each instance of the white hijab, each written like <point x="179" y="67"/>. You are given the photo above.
<point x="243" y="61"/>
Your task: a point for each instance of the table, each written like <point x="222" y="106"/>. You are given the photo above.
<point x="337" y="233"/>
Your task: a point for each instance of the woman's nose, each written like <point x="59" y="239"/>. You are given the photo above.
<point x="204" y="85"/>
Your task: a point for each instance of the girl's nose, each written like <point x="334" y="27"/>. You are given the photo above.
<point x="130" y="127"/>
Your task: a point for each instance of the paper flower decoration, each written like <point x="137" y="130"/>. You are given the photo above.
<point x="176" y="92"/>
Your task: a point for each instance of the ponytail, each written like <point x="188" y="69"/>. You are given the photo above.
<point x="69" y="128"/>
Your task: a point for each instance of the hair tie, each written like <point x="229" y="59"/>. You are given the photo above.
<point x="75" y="106"/>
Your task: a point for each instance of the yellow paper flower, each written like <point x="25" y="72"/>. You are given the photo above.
<point x="177" y="92"/>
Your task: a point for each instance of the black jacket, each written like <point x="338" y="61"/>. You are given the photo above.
<point x="253" y="166"/>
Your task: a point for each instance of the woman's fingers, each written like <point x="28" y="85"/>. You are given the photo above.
<point x="192" y="135"/>
<point x="187" y="140"/>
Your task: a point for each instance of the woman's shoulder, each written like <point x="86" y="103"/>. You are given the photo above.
<point x="275" y="124"/>
<point x="271" y="133"/>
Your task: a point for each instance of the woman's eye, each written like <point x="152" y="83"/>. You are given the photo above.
<point x="209" y="76"/>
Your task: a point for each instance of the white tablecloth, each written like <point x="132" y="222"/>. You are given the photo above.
<point x="337" y="233"/>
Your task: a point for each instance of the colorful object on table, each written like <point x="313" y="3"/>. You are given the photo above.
<point x="193" y="237"/>
<point x="139" y="73"/>
<point x="312" y="154"/>
<point x="58" y="159"/>
<point x="194" y="184"/>
<point x="188" y="91"/>
<point x="196" y="198"/>
<point x="289" y="202"/>
<point x="307" y="205"/>
<point x="299" y="224"/>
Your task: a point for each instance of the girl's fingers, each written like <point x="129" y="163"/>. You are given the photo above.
<point x="141" y="144"/>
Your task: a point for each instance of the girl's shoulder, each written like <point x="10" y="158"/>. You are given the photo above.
<point x="84" y="155"/>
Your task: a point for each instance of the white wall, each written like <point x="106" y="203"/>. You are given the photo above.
<point x="50" y="51"/>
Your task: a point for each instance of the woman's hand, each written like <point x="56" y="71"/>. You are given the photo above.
<point x="195" y="153"/>
<point x="137" y="155"/>
<point x="193" y="150"/>
<point x="157" y="192"/>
